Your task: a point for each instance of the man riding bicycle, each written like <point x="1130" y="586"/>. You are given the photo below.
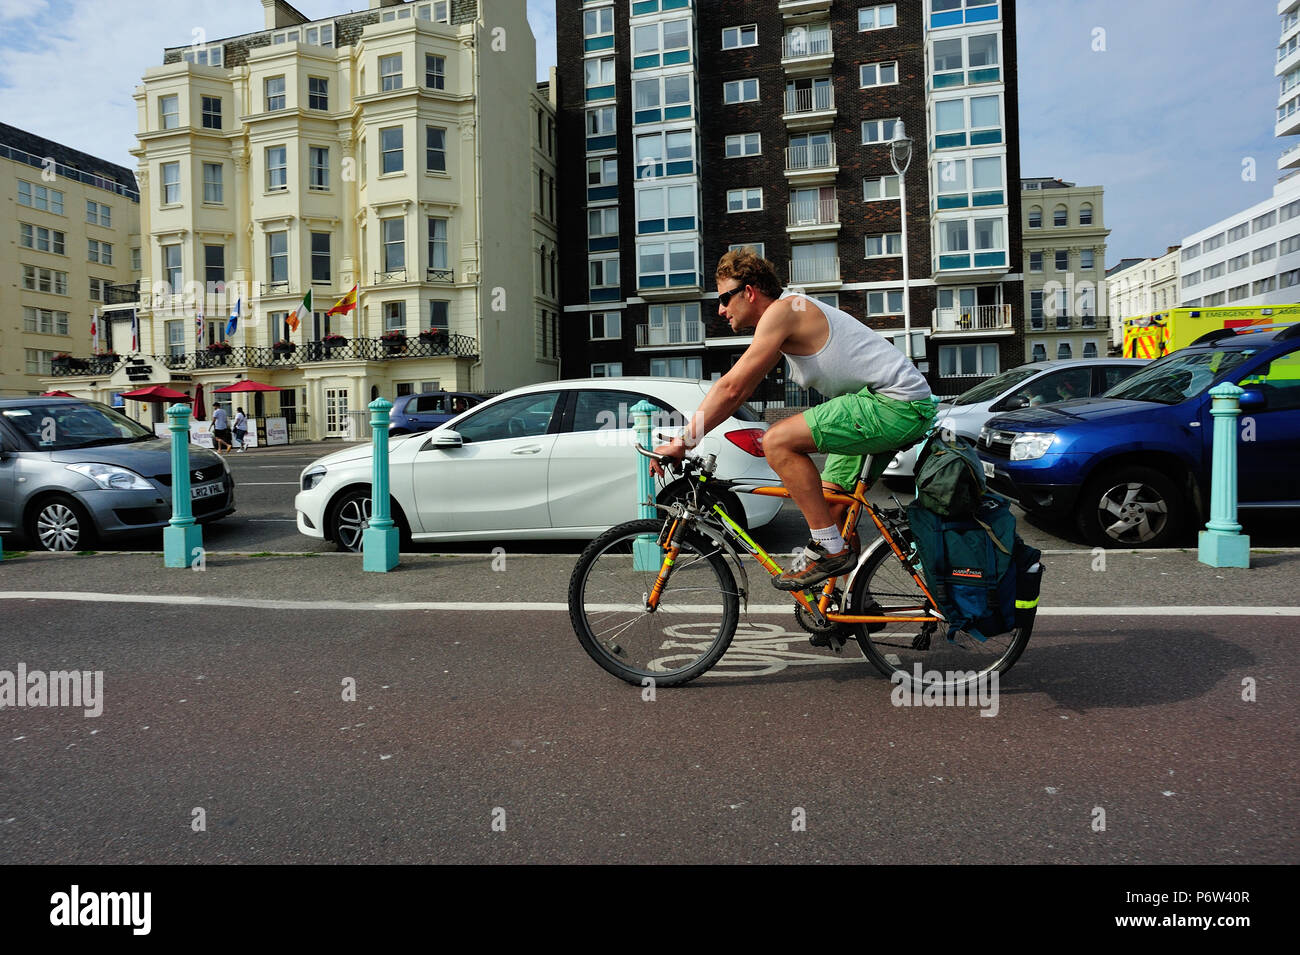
<point x="882" y="403"/>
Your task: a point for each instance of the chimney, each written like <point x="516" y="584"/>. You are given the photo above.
<point x="376" y="4"/>
<point x="277" y="13"/>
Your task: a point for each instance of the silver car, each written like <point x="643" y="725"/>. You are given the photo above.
<point x="1038" y="383"/>
<point x="74" y="471"/>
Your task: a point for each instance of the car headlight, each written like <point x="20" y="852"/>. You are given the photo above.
<point x="1030" y="445"/>
<point x="312" y="476"/>
<point x="111" y="477"/>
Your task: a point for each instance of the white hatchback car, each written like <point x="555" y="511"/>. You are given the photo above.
<point x="553" y="460"/>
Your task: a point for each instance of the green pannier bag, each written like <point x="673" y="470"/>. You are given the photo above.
<point x="949" y="476"/>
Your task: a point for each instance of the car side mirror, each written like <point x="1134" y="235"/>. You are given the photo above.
<point x="1013" y="403"/>
<point x="1252" y="399"/>
<point x="445" y="439"/>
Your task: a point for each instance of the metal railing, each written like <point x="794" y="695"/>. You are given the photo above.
<point x="806" y="158"/>
<point x="812" y="271"/>
<point x="971" y="318"/>
<point x="813" y="212"/>
<point x="67" y="172"/>
<point x="440" y="275"/>
<point x="688" y="333"/>
<point x="800" y="44"/>
<point x="810" y="99"/>
<point x="390" y="276"/>
<point x="127" y="294"/>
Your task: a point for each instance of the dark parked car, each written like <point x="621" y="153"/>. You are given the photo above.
<point x="427" y="410"/>
<point x="72" y="471"/>
<point x="1132" y="467"/>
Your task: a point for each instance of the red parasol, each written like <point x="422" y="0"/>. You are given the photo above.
<point x="56" y="394"/>
<point x="200" y="409"/>
<point x="245" y="386"/>
<point x="158" y="393"/>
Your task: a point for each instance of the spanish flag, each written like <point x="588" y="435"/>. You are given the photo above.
<point x="346" y="304"/>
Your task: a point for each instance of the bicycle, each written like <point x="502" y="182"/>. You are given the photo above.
<point x="637" y="627"/>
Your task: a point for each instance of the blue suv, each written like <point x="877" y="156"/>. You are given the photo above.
<point x="1131" y="468"/>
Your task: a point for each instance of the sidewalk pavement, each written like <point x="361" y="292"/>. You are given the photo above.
<point x="1073" y="579"/>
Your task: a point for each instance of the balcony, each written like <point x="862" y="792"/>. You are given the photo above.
<point x="972" y="320"/>
<point x="813" y="219"/>
<point x="390" y="277"/>
<point x="1045" y="324"/>
<point x="1289" y="159"/>
<point x="793" y="11"/>
<point x="668" y="336"/>
<point x="1288" y="119"/>
<point x="806" y="51"/>
<point x="121" y="295"/>
<point x="815" y="274"/>
<point x="810" y="107"/>
<point x="1286" y="6"/>
<point x="444" y="276"/>
<point x="814" y="163"/>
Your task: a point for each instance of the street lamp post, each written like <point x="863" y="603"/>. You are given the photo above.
<point x="900" y="156"/>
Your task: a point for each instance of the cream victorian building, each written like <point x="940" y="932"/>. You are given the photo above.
<point x="406" y="150"/>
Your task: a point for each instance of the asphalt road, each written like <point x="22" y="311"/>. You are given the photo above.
<point x="264" y="521"/>
<point x="462" y="721"/>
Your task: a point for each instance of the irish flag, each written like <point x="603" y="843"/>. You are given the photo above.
<point x="302" y="313"/>
<point x="346" y="304"/>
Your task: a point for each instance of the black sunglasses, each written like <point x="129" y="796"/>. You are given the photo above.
<point x="725" y="297"/>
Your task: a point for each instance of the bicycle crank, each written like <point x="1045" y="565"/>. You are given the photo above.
<point x="824" y="634"/>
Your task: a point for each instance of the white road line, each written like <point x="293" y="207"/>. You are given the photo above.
<point x="268" y="484"/>
<point x="272" y="520"/>
<point x="460" y="605"/>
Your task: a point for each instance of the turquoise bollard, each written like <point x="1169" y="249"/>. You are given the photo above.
<point x="1222" y="544"/>
<point x="182" y="537"/>
<point x="380" y="539"/>
<point x="645" y="552"/>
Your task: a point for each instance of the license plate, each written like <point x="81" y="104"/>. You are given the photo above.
<point x="204" y="490"/>
<point x="988" y="468"/>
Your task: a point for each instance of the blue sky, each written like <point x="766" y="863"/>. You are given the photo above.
<point x="1163" y="116"/>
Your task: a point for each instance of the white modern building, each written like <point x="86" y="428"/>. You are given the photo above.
<point x="1141" y="287"/>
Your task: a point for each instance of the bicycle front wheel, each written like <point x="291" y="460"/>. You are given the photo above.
<point x="885" y="587"/>
<point x="684" y="636"/>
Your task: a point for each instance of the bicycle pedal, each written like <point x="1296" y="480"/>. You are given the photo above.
<point x="831" y="641"/>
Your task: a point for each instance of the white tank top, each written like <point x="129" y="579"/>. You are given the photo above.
<point x="855" y="357"/>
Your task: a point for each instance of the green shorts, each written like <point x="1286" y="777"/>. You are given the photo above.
<point x="850" y="427"/>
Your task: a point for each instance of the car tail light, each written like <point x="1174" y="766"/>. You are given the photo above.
<point x="749" y="440"/>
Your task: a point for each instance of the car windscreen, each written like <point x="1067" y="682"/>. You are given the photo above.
<point x="1179" y="376"/>
<point x="990" y="389"/>
<point x="57" y="426"/>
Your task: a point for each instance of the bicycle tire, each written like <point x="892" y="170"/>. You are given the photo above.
<point x="885" y="583"/>
<point x="697" y="615"/>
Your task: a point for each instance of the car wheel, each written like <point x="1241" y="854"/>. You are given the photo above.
<point x="1131" y="507"/>
<point x="350" y="516"/>
<point x="60" y="524"/>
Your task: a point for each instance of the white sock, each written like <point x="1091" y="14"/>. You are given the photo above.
<point x="829" y="538"/>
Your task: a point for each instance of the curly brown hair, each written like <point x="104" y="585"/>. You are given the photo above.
<point x="749" y="268"/>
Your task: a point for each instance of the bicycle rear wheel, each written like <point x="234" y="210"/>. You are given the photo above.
<point x="688" y="632"/>
<point x="885" y="587"/>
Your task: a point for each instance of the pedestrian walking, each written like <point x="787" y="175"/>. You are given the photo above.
<point x="241" y="429"/>
<point x="220" y="430"/>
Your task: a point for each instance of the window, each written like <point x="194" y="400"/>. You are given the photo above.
<point x="318" y="92"/>
<point x="971" y="360"/>
<point x="1191" y="279"/>
<point x="1039" y="352"/>
<point x="394" y="317"/>
<point x="1239" y="232"/>
<point x="40" y="238"/>
<point x="390" y="72"/>
<point x="205" y="57"/>
<point x="744" y="200"/>
<point x="734" y="37"/>
<point x="43" y="321"/>
<point x="1191" y="252"/>
<point x="440" y="314"/>
<point x="171" y="265"/>
<point x="1060" y="216"/>
<point x="320" y="256"/>
<point x="98" y="214"/>
<point x="673" y="93"/>
<point x="435" y="72"/>
<point x="435" y="149"/>
<point x="277" y="169"/>
<point x="878" y="74"/>
<point x="1238" y="262"/>
<point x="605" y="325"/>
<point x="1266" y="221"/>
<point x="214" y="264"/>
<point x="676" y="368"/>
<point x="1263" y="255"/>
<point x="36" y="279"/>
<point x="211" y="112"/>
<point x="602" y="222"/>
<point x="756" y="247"/>
<point x="394" y="238"/>
<point x="602" y="271"/>
<point x="666" y="264"/>
<point x="886" y="187"/>
<point x="436" y="11"/>
<point x="668" y="153"/>
<point x="175" y="338"/>
<point x="171" y="180"/>
<point x="1089" y="349"/>
<point x="740" y="91"/>
<point x="598" y="23"/>
<point x="1085" y="214"/>
<point x="1063" y="350"/>
<point x="277" y="252"/>
<point x="1238" y="292"/>
<point x="390" y="149"/>
<point x="888" y="243"/>
<point x="169" y="112"/>
<point x="599" y="78"/>
<point x="1086" y="259"/>
<point x="97" y="287"/>
<point x="1036" y="309"/>
<point x="602" y="172"/>
<point x="527" y="416"/>
<point x="438" y="244"/>
<point x="665" y="209"/>
<point x="212" y="183"/>
<point x="101" y="252"/>
<point x="600" y="121"/>
<point x="318" y="158"/>
<point x="1035" y="261"/>
<point x="275" y="98"/>
<point x="885" y="302"/>
<point x="661" y="44"/>
<point x="607" y="369"/>
<point x="1264" y="285"/>
<point x="878" y="130"/>
<point x="974" y="121"/>
<point x="1289" y="244"/>
<point x="743" y="144"/>
<point x="316" y="36"/>
<point x="1212" y="271"/>
<point x="1212" y="243"/>
<point x="877" y="18"/>
<point x="39" y="197"/>
<point x="1062" y="261"/>
<point x="983" y="186"/>
<point x="1212" y="301"/>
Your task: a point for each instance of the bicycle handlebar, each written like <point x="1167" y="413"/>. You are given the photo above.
<point x="677" y="466"/>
